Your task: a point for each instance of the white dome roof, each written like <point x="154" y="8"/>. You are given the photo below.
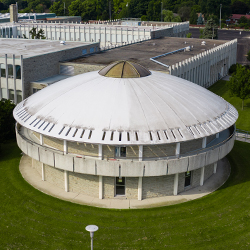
<point x="154" y="109"/>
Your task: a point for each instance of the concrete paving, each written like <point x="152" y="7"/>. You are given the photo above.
<point x="32" y="176"/>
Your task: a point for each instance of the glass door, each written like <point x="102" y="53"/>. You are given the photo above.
<point x="187" y="178"/>
<point x="120" y="186"/>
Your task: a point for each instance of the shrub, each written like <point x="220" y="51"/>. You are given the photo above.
<point x="232" y="69"/>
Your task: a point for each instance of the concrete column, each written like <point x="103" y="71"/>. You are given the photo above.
<point x="79" y="33"/>
<point x="55" y="34"/>
<point x="140" y="189"/>
<point x="22" y="80"/>
<point x="140" y="152"/>
<point x="14" y="79"/>
<point x="105" y="37"/>
<point x="100" y="151"/>
<point x="41" y="139"/>
<point x="74" y="33"/>
<point x="43" y="172"/>
<point x="84" y="34"/>
<point x="204" y="142"/>
<point x="7" y="76"/>
<point x="100" y="187"/>
<point x="176" y="180"/>
<point x="121" y="36"/>
<point x="177" y="149"/>
<point x="65" y="147"/>
<point x="116" y="36"/>
<point x="66" y="180"/>
<point x="110" y="35"/>
<point x="202" y="176"/>
<point x="69" y="34"/>
<point x="215" y="167"/>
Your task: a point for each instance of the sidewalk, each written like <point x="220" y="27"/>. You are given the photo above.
<point x="226" y="78"/>
<point x="214" y="182"/>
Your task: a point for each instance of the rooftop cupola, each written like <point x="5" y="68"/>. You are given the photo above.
<point x="124" y="69"/>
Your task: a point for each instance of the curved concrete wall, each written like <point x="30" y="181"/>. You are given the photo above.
<point x="125" y="168"/>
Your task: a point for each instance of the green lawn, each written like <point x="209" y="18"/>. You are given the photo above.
<point x="30" y="219"/>
<point x="243" y="122"/>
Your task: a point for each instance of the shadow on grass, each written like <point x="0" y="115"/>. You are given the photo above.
<point x="9" y="151"/>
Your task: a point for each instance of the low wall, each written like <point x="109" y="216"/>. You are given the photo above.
<point x="126" y="168"/>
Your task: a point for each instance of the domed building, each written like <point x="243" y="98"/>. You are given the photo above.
<point x="125" y="132"/>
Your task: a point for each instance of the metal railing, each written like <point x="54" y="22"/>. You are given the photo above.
<point x="242" y="135"/>
<point x="191" y="153"/>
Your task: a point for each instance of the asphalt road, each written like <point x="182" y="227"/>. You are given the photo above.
<point x="243" y="38"/>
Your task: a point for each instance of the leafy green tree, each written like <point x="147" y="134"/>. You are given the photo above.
<point x="154" y="10"/>
<point x="240" y="7"/>
<point x="7" y="122"/>
<point x="76" y="8"/>
<point x="239" y="83"/>
<point x="243" y="19"/>
<point x="168" y="16"/>
<point x="248" y="55"/>
<point x="89" y="10"/>
<point x="36" y="34"/>
<point x="138" y="8"/>
<point x="197" y="8"/>
<point x="189" y="35"/>
<point x="210" y="30"/>
<point x="184" y="13"/>
<point x="193" y="17"/>
<point x="57" y="8"/>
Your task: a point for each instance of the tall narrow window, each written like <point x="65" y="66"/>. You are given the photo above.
<point x="187" y="178"/>
<point x="3" y="72"/>
<point x="120" y="186"/>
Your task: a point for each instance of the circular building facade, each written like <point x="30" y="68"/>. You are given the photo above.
<point x="125" y="132"/>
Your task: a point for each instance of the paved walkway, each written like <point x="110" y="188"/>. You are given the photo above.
<point x="32" y="176"/>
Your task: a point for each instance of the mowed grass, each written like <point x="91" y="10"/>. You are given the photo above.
<point x="220" y="88"/>
<point x="30" y="219"/>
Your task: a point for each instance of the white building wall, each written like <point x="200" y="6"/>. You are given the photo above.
<point x="207" y="67"/>
<point x="109" y="35"/>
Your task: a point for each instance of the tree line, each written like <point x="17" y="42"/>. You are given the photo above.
<point x="147" y="10"/>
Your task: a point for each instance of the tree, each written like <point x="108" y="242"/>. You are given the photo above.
<point x="36" y="34"/>
<point x="7" y="122"/>
<point x="248" y="55"/>
<point x="76" y="8"/>
<point x="193" y="17"/>
<point x="240" y="7"/>
<point x="210" y="31"/>
<point x="57" y="8"/>
<point x="242" y="19"/>
<point x="239" y="83"/>
<point x="168" y="16"/>
<point x="184" y="13"/>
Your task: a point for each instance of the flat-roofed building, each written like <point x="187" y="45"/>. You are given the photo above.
<point x="23" y="61"/>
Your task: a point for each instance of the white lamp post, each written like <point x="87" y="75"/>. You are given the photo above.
<point x="91" y="229"/>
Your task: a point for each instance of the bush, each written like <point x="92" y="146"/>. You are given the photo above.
<point x="232" y="69"/>
<point x="189" y="35"/>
